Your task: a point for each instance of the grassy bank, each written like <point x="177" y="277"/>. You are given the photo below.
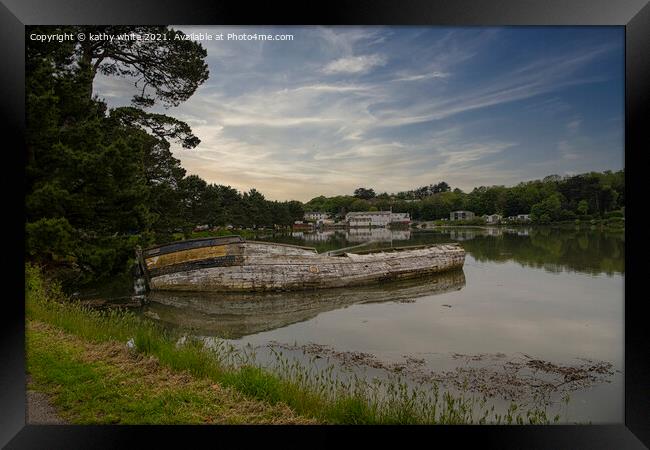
<point x="105" y="383"/>
<point x="62" y="334"/>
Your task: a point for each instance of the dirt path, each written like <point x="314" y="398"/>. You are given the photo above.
<point x="39" y="410"/>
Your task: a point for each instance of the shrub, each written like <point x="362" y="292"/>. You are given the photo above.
<point x="613" y="214"/>
<point x="567" y="214"/>
<point x="49" y="238"/>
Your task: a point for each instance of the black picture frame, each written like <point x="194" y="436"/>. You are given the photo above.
<point x="634" y="15"/>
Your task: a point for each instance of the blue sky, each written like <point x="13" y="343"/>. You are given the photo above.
<point x="394" y="108"/>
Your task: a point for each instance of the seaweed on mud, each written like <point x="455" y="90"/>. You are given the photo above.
<point x="518" y="377"/>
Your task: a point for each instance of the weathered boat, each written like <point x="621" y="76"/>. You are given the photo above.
<point x="232" y="264"/>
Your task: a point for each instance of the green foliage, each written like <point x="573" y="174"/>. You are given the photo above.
<point x="424" y="191"/>
<point x="364" y="193"/>
<point x="612" y="214"/>
<point x="50" y="238"/>
<point x="600" y="192"/>
<point x="547" y="210"/>
<point x="583" y="207"/>
<point x="100" y="384"/>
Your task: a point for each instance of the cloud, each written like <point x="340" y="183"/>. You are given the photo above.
<point x="567" y="150"/>
<point x="424" y="76"/>
<point x="294" y="120"/>
<point x="355" y="64"/>
<point x="573" y="125"/>
<point x="531" y="80"/>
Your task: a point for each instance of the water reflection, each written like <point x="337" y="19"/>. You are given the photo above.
<point x="240" y="314"/>
<point x="551" y="249"/>
<point x="377" y="234"/>
<point x="354" y="235"/>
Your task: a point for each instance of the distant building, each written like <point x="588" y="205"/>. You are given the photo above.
<point x="492" y="218"/>
<point x="376" y="218"/>
<point x="325" y="222"/>
<point x="316" y="215"/>
<point x="461" y="215"/>
<point x="400" y="218"/>
<point x="525" y="217"/>
<point x="299" y="225"/>
<point x="368" y="218"/>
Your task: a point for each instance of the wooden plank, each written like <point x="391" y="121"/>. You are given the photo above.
<point x="184" y="256"/>
<point x="221" y="261"/>
<point x="191" y="243"/>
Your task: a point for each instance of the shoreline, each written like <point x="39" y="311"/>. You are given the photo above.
<point x="80" y="382"/>
<point x="70" y="334"/>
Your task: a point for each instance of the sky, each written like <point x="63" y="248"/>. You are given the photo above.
<point x="396" y="108"/>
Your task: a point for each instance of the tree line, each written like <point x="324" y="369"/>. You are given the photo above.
<point x="552" y="199"/>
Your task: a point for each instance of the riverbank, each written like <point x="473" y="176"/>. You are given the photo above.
<point x="105" y="383"/>
<point x="114" y="367"/>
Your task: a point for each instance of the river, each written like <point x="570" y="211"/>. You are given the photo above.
<point x="534" y="310"/>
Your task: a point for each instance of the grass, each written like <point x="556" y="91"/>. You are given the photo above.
<point x="105" y="384"/>
<point x="58" y="365"/>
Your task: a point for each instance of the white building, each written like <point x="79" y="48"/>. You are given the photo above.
<point x="325" y="222"/>
<point x="316" y="215"/>
<point x="375" y="218"/>
<point x="368" y="218"/>
<point x="493" y="218"/>
<point x="400" y="218"/>
<point x="523" y="217"/>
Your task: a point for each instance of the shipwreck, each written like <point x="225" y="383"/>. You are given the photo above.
<point x="233" y="264"/>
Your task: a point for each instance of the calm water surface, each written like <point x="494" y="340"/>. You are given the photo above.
<point x="523" y="294"/>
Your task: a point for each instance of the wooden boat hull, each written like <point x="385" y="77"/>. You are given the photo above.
<point x="234" y="265"/>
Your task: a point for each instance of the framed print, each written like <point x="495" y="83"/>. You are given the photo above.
<point x="351" y="218"/>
